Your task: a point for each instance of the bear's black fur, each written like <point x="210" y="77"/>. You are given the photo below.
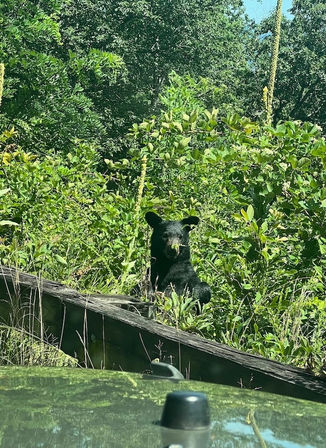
<point x="171" y="268"/>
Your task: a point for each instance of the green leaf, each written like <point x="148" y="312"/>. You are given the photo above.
<point x="264" y="227"/>
<point x="178" y="126"/>
<point x="304" y="162"/>
<point x="263" y="238"/>
<point x="237" y="216"/>
<point x="319" y="150"/>
<point x="109" y="163"/>
<point x="254" y="226"/>
<point x="5" y="191"/>
<point x="8" y="223"/>
<point x="193" y="117"/>
<point x="60" y="259"/>
<point x="322" y="245"/>
<point x="195" y="154"/>
<point x="184" y="142"/>
<point x="269" y="187"/>
<point x="166" y="125"/>
<point x="244" y="214"/>
<point x="250" y="212"/>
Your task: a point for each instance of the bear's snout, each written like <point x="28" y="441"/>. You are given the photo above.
<point x="172" y="248"/>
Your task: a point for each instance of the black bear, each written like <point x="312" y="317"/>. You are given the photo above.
<point x="171" y="268"/>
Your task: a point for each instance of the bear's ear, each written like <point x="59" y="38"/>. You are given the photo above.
<point x="191" y="220"/>
<point x="153" y="219"/>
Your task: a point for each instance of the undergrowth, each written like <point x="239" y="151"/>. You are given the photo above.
<point x="259" y="190"/>
<point x="18" y="347"/>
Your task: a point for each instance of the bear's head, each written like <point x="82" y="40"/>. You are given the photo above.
<point x="170" y="239"/>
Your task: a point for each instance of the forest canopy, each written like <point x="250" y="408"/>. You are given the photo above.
<point x="88" y="70"/>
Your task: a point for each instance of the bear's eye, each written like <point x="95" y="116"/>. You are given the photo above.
<point x="165" y="236"/>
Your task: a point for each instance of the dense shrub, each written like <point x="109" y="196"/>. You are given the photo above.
<point x="261" y="194"/>
<point x="68" y="225"/>
<point x="259" y="190"/>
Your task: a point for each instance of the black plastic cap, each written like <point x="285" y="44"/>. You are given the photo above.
<point x="186" y="410"/>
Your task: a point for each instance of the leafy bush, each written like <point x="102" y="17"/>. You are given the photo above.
<point x="259" y="190"/>
<point x="261" y="194"/>
<point x="69" y="226"/>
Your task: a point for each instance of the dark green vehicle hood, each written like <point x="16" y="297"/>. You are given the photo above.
<point x="70" y="408"/>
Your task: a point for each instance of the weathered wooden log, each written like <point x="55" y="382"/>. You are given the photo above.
<point x="13" y="278"/>
<point x="104" y="335"/>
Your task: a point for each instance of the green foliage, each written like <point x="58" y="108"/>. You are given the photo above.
<point x="187" y="93"/>
<point x="69" y="226"/>
<point x="260" y="192"/>
<point x="17" y="347"/>
<point x="180" y="312"/>
<point x="300" y="83"/>
<point x="80" y="72"/>
<point x="66" y="80"/>
<point x="90" y="69"/>
<point x="45" y="91"/>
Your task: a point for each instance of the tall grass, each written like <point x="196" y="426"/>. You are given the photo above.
<point x="23" y="336"/>
<point x="21" y="348"/>
<point x="288" y="326"/>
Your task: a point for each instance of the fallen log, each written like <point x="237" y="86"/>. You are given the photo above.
<point x="103" y="334"/>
